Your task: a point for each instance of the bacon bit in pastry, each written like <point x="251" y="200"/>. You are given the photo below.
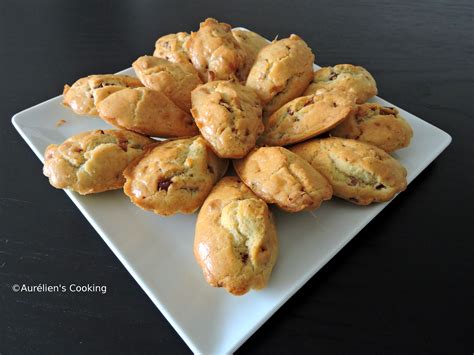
<point x="164" y="184"/>
<point x="123" y="143"/>
<point x="353" y="181"/>
<point x="309" y="102"/>
<point x="333" y="75"/>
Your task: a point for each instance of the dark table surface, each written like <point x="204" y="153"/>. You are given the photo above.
<point x="403" y="285"/>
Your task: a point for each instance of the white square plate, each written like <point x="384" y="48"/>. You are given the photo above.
<point x="158" y="251"/>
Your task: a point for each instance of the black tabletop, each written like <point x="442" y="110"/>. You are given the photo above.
<point x="403" y="285"/>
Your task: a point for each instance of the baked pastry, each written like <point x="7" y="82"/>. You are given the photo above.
<point x="358" y="172"/>
<point x="346" y="77"/>
<point x="279" y="176"/>
<point x="229" y="116"/>
<point x="306" y="117"/>
<point x="377" y="125"/>
<point x="173" y="176"/>
<point x="172" y="48"/>
<point x="235" y="241"/>
<point x="83" y="96"/>
<point x="251" y="43"/>
<point x="146" y="111"/>
<point x="215" y="52"/>
<point x="281" y="72"/>
<point x="169" y="78"/>
<point x="92" y="161"/>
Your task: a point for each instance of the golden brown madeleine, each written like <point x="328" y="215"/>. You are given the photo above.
<point x="358" y="172"/>
<point x="306" y="117"/>
<point x="174" y="176"/>
<point x="236" y="241"/>
<point x="346" y="77"/>
<point x="83" y="96"/>
<point x="378" y="125"/>
<point x="215" y="52"/>
<point x="105" y="85"/>
<point x="172" y="47"/>
<point x="229" y="116"/>
<point x="93" y="161"/>
<point x="281" y="177"/>
<point x="148" y="112"/>
<point x="78" y="97"/>
<point x="281" y="72"/>
<point x="251" y="43"/>
<point x="169" y="78"/>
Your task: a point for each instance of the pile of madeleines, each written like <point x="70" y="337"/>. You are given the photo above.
<point x="219" y="94"/>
